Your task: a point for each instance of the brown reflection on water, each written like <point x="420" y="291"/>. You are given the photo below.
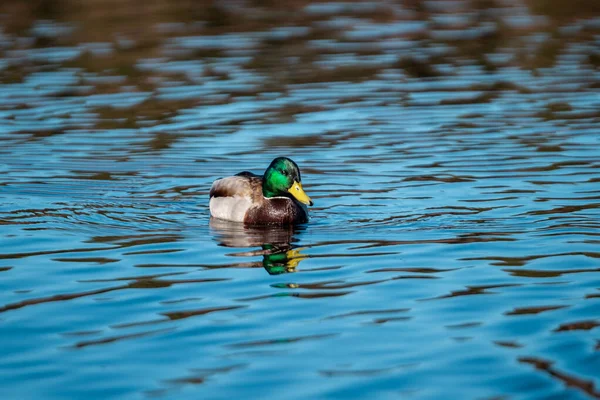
<point x="175" y="315"/>
<point x="365" y="372"/>
<point x="112" y="339"/>
<point x="578" y="326"/>
<point x="421" y="270"/>
<point x="464" y="325"/>
<point x="329" y="285"/>
<point x="199" y="375"/>
<point x="475" y="290"/>
<point x="196" y="376"/>
<point x="58" y="297"/>
<point x="317" y="295"/>
<point x="281" y="341"/>
<point x="147" y="282"/>
<point x="521" y="261"/>
<point x="586" y="386"/>
<point x="91" y="260"/>
<point x="508" y="344"/>
<point x="533" y="310"/>
<point x="369" y="312"/>
<point x="532" y="273"/>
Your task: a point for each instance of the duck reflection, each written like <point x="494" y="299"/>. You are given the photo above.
<point x="275" y="244"/>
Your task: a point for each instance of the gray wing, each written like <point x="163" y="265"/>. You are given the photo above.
<point x="239" y="185"/>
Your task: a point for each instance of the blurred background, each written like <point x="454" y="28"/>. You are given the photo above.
<point x="147" y="43"/>
<point x="245" y="48"/>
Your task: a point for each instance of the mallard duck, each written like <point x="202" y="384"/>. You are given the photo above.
<point x="276" y="197"/>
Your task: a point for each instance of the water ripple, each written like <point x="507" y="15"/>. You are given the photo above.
<point x="451" y="148"/>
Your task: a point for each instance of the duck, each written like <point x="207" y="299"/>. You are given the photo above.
<point x="274" y="198"/>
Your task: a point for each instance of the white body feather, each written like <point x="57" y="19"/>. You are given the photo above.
<point x="230" y="208"/>
<point x="235" y="204"/>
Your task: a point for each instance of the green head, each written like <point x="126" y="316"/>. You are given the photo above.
<point x="282" y="178"/>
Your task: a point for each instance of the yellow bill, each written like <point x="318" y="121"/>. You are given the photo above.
<point x="298" y="193"/>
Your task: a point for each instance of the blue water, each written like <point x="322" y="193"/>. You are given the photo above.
<point x="452" y="252"/>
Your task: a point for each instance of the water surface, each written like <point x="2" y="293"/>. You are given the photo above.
<point x="451" y="149"/>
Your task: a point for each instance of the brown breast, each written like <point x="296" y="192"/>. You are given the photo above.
<point x="276" y="210"/>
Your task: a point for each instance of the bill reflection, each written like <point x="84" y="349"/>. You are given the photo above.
<point x="273" y="243"/>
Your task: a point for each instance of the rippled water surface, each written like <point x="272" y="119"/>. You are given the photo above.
<point x="452" y="150"/>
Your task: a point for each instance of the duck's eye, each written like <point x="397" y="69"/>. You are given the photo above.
<point x="284" y="172"/>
